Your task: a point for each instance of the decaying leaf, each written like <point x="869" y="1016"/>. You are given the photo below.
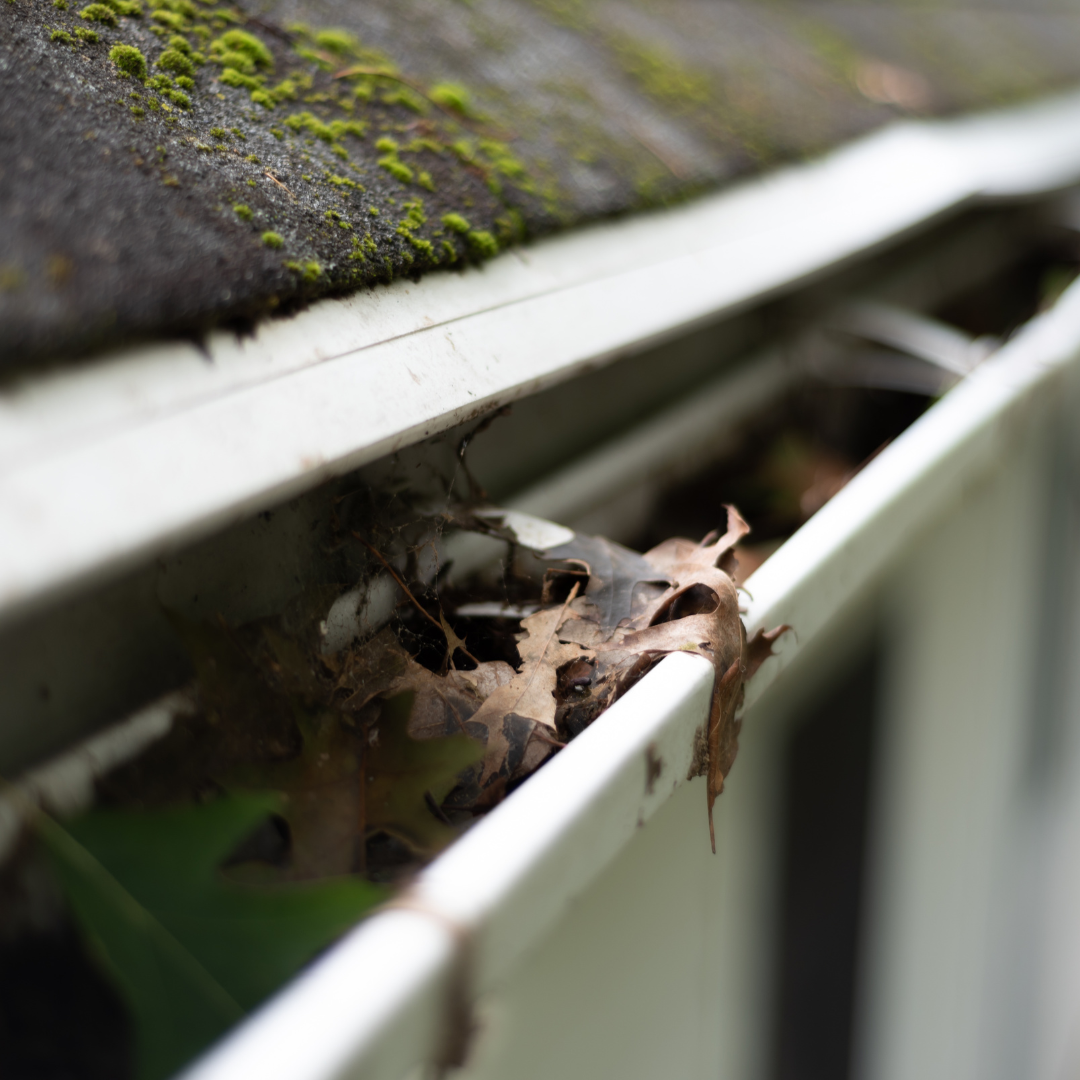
<point x="614" y="573"/>
<point x="406" y="777"/>
<point x="369" y="742"/>
<point x="622" y="630"/>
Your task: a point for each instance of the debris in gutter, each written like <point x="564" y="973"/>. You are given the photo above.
<point x="306" y="784"/>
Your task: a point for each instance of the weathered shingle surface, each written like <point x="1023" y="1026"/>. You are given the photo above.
<point x="280" y="151"/>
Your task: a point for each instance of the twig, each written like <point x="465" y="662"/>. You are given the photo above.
<point x="416" y="603"/>
<point x="538" y="734"/>
<point x="270" y="176"/>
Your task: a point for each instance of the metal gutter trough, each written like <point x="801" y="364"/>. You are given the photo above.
<point x="583" y="927"/>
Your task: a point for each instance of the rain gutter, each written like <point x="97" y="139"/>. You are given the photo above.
<point x="126" y="458"/>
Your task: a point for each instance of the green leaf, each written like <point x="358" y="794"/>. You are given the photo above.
<point x="189" y="950"/>
<point x="400" y="771"/>
<point x="177" y="1005"/>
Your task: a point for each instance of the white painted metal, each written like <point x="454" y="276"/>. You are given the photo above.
<point x="189" y="443"/>
<point x="66" y="785"/>
<point x="543" y="899"/>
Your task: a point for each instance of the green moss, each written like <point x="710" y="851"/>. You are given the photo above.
<point x="232" y="77"/>
<point x="502" y="160"/>
<point x="261" y="97"/>
<point x="414" y="214"/>
<point x="455" y="223"/>
<point x="286" y="90"/>
<point x="423" y="178"/>
<point x="417" y="242"/>
<point x="175" y="61"/>
<point x="338" y="128"/>
<point x="387" y="145"/>
<point x="243" y="212"/>
<point x="482" y="243"/>
<point x="137" y="110"/>
<point x="63" y="37"/>
<point x="179" y="99"/>
<point x="184" y="8"/>
<point x="334" y="216"/>
<point x="101" y="13"/>
<point x="307" y="121"/>
<point x="129" y="61"/>
<point x="236" y="61"/>
<point x="252" y="158"/>
<point x="91" y="37"/>
<point x="180" y="44"/>
<point x="309" y="272"/>
<point x="373" y="211"/>
<point x="238" y="133"/>
<point x="251" y="183"/>
<point x="240" y="41"/>
<point x="273" y="240"/>
<point x="185" y="83"/>
<point x="397" y="169"/>
<point x="451" y="96"/>
<point x="340" y="42"/>
<point x="169" y="19"/>
<point x="465" y="150"/>
<point x="62" y="5"/>
<point x="405" y="95"/>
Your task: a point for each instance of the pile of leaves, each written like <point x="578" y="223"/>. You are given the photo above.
<point x="306" y="783"/>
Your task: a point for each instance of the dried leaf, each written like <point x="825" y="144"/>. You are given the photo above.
<point x="402" y="773"/>
<point x="322" y="797"/>
<point x="722" y="736"/>
<point x="759" y="649"/>
<point x="621" y="629"/>
<point x="614" y="574"/>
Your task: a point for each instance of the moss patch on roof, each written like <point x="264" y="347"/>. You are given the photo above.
<point x="167" y="166"/>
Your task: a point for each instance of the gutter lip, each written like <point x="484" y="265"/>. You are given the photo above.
<point x="308" y="399"/>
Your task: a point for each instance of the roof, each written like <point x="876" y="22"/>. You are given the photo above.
<point x="170" y="166"/>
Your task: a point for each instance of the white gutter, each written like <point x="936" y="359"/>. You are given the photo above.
<point x="379" y="1004"/>
<point x="112" y="464"/>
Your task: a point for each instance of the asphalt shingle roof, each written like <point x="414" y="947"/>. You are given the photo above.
<point x="269" y="154"/>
